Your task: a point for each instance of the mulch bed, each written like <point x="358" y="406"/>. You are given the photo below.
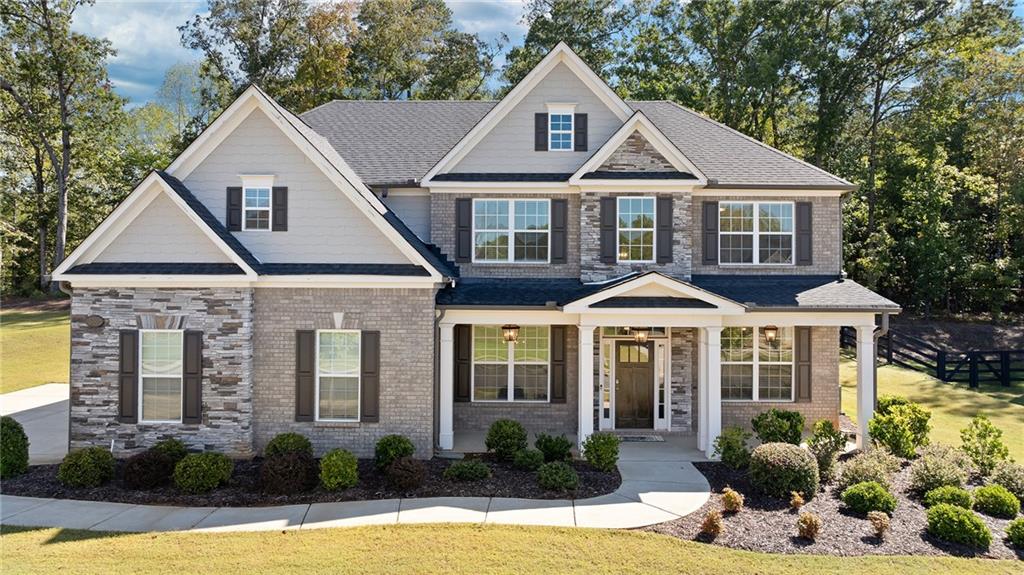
<point x="244" y="489"/>
<point x="768" y="525"/>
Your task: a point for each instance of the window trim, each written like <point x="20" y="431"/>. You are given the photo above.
<point x="755" y="396"/>
<point x="562" y="110"/>
<point x="653" y="229"/>
<point x="359" y="377"/>
<point x="511" y="231"/>
<point x="252" y="182"/>
<point x="756" y="245"/>
<point x="181" y="376"/>
<point x="510" y="374"/>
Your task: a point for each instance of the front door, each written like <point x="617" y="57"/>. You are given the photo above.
<point x="634" y="385"/>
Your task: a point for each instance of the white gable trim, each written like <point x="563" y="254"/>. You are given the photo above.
<point x="560" y="54"/>
<point x="638" y="122"/>
<point x="723" y="306"/>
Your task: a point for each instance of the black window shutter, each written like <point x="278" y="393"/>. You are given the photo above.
<point x="803" y="234"/>
<point x="802" y="345"/>
<point x="558" y="364"/>
<point x="663" y="231"/>
<point x="305" y="374"/>
<point x="234" y="206"/>
<point x="609" y="216"/>
<point x="559" y="231"/>
<point x="192" y="380"/>
<point x="579" y="136"/>
<point x="463" y="229"/>
<point x="128" y="378"/>
<point x="709" y="227"/>
<point x="540" y="132"/>
<point x="370" y="380"/>
<point x="280" y="209"/>
<point x="463" y="361"/>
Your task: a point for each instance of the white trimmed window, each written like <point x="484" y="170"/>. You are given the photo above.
<point x="636" y="229"/>
<point x="160" y="373"/>
<point x="761" y="374"/>
<point x="257" y="199"/>
<point x="755" y="232"/>
<point x="511" y="371"/>
<point x="337" y="375"/>
<point x="523" y="224"/>
<point x="560" y="127"/>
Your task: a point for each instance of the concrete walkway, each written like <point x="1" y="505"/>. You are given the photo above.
<point x="43" y="412"/>
<point x="659" y="483"/>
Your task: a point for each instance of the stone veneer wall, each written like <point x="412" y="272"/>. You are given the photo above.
<point x="404" y="318"/>
<point x="683" y="399"/>
<point x="224" y="315"/>
<point x="636" y="154"/>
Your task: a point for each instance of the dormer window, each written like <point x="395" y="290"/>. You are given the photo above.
<point x="560" y="127"/>
<point x="257" y="199"/>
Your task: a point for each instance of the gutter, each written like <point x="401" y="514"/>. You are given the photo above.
<point x="877" y="335"/>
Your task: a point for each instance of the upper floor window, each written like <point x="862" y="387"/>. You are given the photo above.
<point x="337" y="375"/>
<point x="511" y="230"/>
<point x="511" y="371"/>
<point x="257" y="209"/>
<point x="560" y="128"/>
<point x="636" y="229"/>
<point x="757" y="370"/>
<point x="755" y="232"/>
<point x="161" y="371"/>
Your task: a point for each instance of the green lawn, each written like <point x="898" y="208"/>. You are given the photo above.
<point x="34" y="348"/>
<point x="952" y="405"/>
<point x="429" y="549"/>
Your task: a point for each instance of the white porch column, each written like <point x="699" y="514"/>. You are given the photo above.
<point x="702" y="390"/>
<point x="865" y="383"/>
<point x="586" y="387"/>
<point x="446" y="432"/>
<point x="714" y="393"/>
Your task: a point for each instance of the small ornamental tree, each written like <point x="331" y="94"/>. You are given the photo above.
<point x="983" y="443"/>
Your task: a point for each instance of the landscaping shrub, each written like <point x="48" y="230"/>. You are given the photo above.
<point x="505" y="438"/>
<point x="731" y="447"/>
<point x="949" y="495"/>
<point x="339" y="469"/>
<point x="288" y="472"/>
<point x="406" y="473"/>
<point x="1011" y="476"/>
<point x="732" y="500"/>
<point x="779" y="426"/>
<point x="172" y="448"/>
<point x="87" y="467"/>
<point x="467" y="470"/>
<point x="601" y="450"/>
<point x="886" y="402"/>
<point x="148" y="469"/>
<point x="996" y="501"/>
<point x="13" y="448"/>
<point x="557" y="476"/>
<point x="202" y="472"/>
<point x="528" y="459"/>
<point x="958" y="525"/>
<point x="983" y="443"/>
<point x="778" y="469"/>
<point x="712" y="524"/>
<point x="901" y="429"/>
<point x="391" y="448"/>
<point x="876" y="465"/>
<point x="825" y="444"/>
<point x="808" y="525"/>
<point x="868" y="496"/>
<point x="288" y="443"/>
<point x="1015" y="533"/>
<point x="554" y="448"/>
<point x="938" y="465"/>
<point x="796" y="500"/>
<point x="879" y="522"/>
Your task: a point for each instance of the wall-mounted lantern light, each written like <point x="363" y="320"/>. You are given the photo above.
<point x="771" y="333"/>
<point x="510" y="333"/>
<point x="640" y="334"/>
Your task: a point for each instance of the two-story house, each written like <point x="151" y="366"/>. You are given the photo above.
<point x="561" y="256"/>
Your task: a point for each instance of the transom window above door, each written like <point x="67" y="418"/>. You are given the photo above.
<point x="511" y="231"/>
<point x="636" y="229"/>
<point x="755" y="232"/>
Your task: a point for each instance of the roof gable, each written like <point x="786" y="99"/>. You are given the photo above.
<point x="649" y="291"/>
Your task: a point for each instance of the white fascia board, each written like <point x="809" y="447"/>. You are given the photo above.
<point x="504" y="187"/>
<point x="657" y="186"/>
<point x="724" y="306"/>
<point x="366" y="281"/>
<point x="770" y="192"/>
<point x="239" y="281"/>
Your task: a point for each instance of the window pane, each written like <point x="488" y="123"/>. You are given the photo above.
<point x="161" y="398"/>
<point x="736" y="249"/>
<point x="775" y="249"/>
<point x="775" y="218"/>
<point x="636" y="246"/>
<point x="736" y="217"/>
<point x="738" y="344"/>
<point x="561" y="141"/>
<point x="490" y="381"/>
<point x="560" y="122"/>
<point x="531" y="247"/>
<point x="488" y="344"/>
<point x="161" y="352"/>
<point x="530" y="382"/>
<point x="533" y="343"/>
<point x="257" y="197"/>
<point x="491" y="215"/>
<point x="738" y="381"/>
<point x="339" y="397"/>
<point x="491" y="246"/>
<point x="531" y="215"/>
<point x="339" y="353"/>
<point x="636" y="213"/>
<point x="779" y="350"/>
<point x="257" y="219"/>
<point x="775" y="381"/>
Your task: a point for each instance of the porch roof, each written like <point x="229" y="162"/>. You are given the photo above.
<point x="800" y="292"/>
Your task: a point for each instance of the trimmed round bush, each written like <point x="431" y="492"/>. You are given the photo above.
<point x="876" y="465"/>
<point x="87" y="467"/>
<point x="1011" y="476"/>
<point x="13" y="448"/>
<point x="148" y="470"/>
<point x="779" y="426"/>
<point x="958" y="525"/>
<point x="339" y="469"/>
<point x="505" y="438"/>
<point x="938" y="465"/>
<point x="778" y="469"/>
<point x="554" y="448"/>
<point x="467" y="470"/>
<point x="901" y="429"/>
<point x="868" y="496"/>
<point x="886" y="402"/>
<point x="202" y="472"/>
<point x="288" y="443"/>
<point x="391" y="448"/>
<point x="949" y="495"/>
<point x="1015" y="533"/>
<point x="731" y="447"/>
<point x="285" y="473"/>
<point x="172" y="448"/>
<point x="406" y="474"/>
<point x="996" y="501"/>
<point x="825" y="444"/>
<point x="528" y="459"/>
<point x="557" y="476"/>
<point x="601" y="450"/>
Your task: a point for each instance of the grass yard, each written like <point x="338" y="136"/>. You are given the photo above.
<point x="34" y="348"/>
<point x="952" y="405"/>
<point x="430" y="549"/>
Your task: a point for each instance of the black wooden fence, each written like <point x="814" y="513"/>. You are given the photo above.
<point x="1002" y="366"/>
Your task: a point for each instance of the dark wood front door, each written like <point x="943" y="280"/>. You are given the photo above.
<point x="634" y="385"/>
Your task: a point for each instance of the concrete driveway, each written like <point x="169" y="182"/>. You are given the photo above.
<point x="43" y="412"/>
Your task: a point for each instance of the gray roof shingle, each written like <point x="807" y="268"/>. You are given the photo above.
<point x="796" y="292"/>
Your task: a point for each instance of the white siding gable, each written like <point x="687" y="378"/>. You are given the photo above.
<point x="413" y="210"/>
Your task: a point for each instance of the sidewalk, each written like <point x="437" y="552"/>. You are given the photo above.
<point x="43" y="412"/>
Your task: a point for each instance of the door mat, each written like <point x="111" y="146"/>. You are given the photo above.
<point x="640" y="438"/>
